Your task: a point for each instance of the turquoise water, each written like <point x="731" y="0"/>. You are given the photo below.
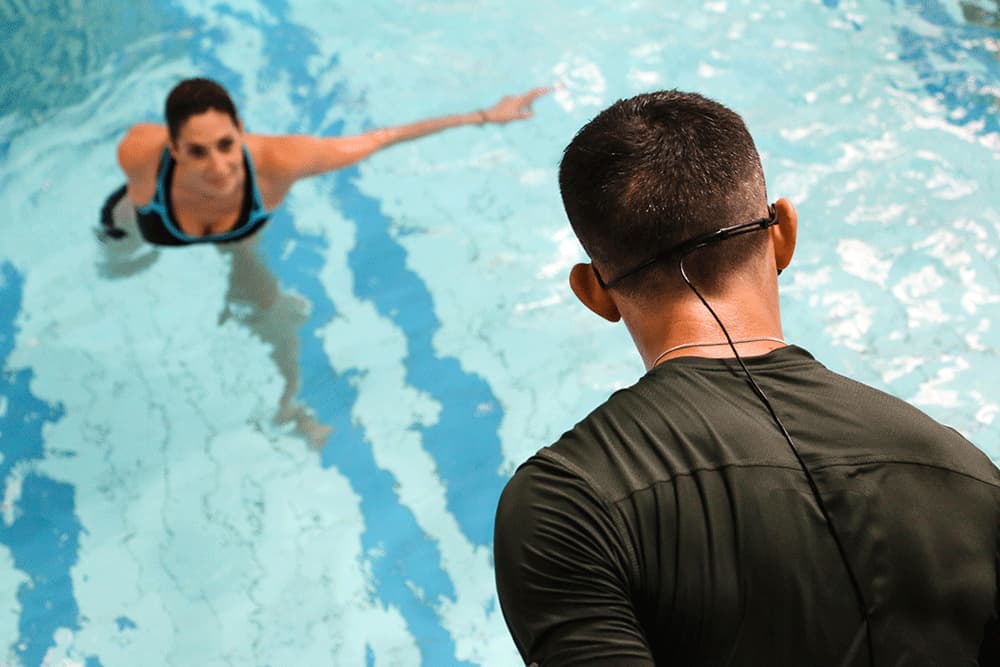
<point x="151" y="511"/>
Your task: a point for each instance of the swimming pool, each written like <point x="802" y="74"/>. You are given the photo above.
<point x="152" y="513"/>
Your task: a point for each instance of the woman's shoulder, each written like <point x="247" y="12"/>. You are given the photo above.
<point x="141" y="147"/>
<point x="269" y="152"/>
<point x="271" y="172"/>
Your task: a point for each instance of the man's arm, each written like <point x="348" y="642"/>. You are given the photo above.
<point x="291" y="157"/>
<point x="562" y="573"/>
<point x="989" y="650"/>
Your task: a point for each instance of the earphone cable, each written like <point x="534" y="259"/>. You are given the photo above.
<point x="862" y="606"/>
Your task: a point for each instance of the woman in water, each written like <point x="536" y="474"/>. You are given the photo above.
<point x="202" y="179"/>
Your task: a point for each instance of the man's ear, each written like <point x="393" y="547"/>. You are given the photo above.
<point x="583" y="281"/>
<point x="784" y="233"/>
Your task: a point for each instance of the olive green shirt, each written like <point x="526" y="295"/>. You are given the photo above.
<point x="674" y="526"/>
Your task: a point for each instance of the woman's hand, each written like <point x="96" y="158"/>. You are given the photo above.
<point x="513" y="107"/>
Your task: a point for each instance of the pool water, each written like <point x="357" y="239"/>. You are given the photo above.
<point x="151" y="510"/>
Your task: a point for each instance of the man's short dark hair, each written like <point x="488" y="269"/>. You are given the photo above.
<point x="194" y="96"/>
<point x="657" y="169"/>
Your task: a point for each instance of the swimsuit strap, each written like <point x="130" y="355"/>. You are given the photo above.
<point x="257" y="210"/>
<point x="252" y="212"/>
<point x="158" y="204"/>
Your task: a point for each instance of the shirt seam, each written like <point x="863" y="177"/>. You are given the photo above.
<point x="694" y="471"/>
<point x="607" y="498"/>
<point x="925" y="463"/>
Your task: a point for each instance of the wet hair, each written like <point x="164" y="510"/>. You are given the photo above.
<point x="655" y="170"/>
<point x="191" y="97"/>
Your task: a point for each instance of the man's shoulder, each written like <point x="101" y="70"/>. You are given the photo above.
<point x="699" y="416"/>
<point x="566" y="462"/>
<point x="547" y="498"/>
<point x="605" y="454"/>
<point x="907" y="434"/>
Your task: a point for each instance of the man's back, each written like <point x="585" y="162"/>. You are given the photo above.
<point x="674" y="524"/>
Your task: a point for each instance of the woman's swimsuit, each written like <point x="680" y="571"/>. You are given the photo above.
<point x="156" y="219"/>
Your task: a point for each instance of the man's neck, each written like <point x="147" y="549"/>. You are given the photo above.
<point x="685" y="327"/>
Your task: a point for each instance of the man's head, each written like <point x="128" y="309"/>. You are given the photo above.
<point x="658" y="169"/>
<point x="191" y="97"/>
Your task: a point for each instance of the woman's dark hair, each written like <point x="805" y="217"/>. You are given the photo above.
<point x="658" y="169"/>
<point x="194" y="96"/>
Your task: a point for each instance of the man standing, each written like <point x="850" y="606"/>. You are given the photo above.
<point x="740" y="504"/>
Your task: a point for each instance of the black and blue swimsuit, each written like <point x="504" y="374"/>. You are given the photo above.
<point x="156" y="219"/>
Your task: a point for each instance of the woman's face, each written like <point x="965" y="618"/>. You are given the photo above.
<point x="209" y="145"/>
